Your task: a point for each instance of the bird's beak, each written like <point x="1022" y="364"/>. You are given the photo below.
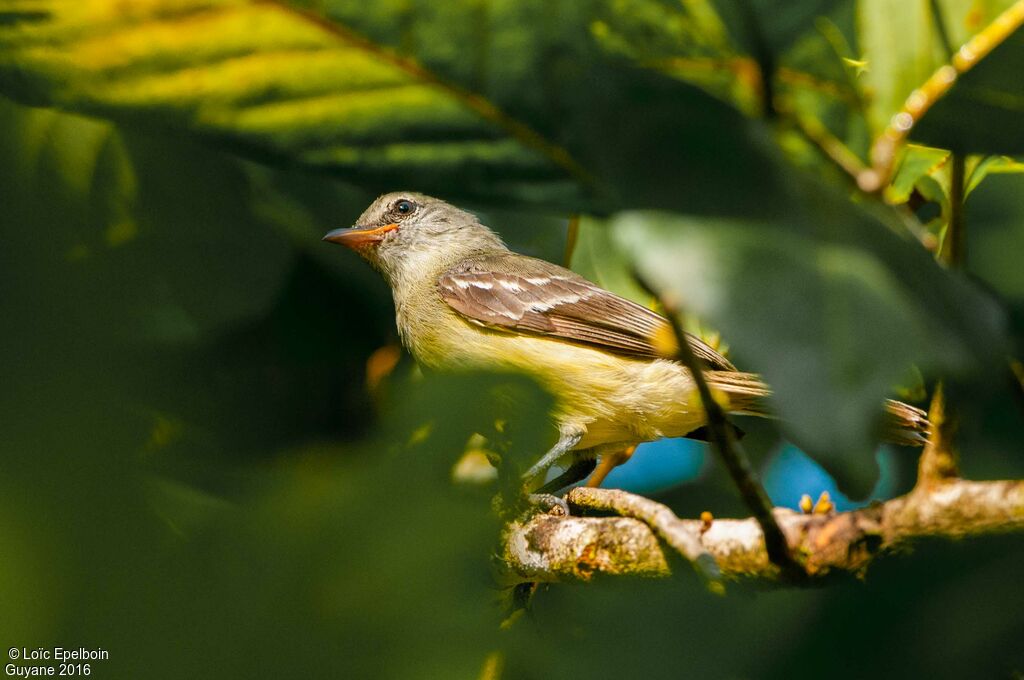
<point x="359" y="235"/>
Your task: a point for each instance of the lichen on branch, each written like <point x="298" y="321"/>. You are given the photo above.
<point x="547" y="548"/>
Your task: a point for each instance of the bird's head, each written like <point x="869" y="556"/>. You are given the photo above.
<point x="404" y="233"/>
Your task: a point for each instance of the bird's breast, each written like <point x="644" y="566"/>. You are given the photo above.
<point x="612" y="398"/>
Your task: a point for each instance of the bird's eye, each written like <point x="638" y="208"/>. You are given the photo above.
<point x="404" y="207"/>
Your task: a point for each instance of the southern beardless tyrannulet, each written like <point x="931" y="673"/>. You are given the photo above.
<point x="463" y="300"/>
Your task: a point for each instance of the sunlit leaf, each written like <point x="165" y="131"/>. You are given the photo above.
<point x="904" y="43"/>
<point x="918" y="161"/>
<point x="981" y="113"/>
<point x="902" y="48"/>
<point x="272" y="77"/>
<point x="383" y="97"/>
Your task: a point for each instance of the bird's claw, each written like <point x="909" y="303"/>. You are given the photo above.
<point x="549" y="503"/>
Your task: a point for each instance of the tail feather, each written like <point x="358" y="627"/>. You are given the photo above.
<point x="904" y="424"/>
<point x="746" y="392"/>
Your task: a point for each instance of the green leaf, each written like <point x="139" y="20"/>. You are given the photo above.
<point x="717" y="46"/>
<point x="268" y="76"/>
<point x="946" y="78"/>
<point x="902" y="46"/>
<point x="831" y="306"/>
<point x="688" y="41"/>
<point x="995" y="218"/>
<point x="918" y="161"/>
<point x="600" y="259"/>
<point x="457" y="99"/>
<point x="775" y="23"/>
<point x="140" y="256"/>
<point x="982" y="111"/>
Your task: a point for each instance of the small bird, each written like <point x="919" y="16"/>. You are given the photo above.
<point x="463" y="300"/>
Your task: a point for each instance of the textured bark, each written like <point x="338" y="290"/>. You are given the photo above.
<point x="548" y="548"/>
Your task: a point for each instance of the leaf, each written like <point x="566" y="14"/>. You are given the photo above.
<point x="139" y="255"/>
<point x="440" y="98"/>
<point x="981" y="112"/>
<point x="361" y="551"/>
<point x="688" y="41"/>
<point x="600" y="259"/>
<point x="771" y="27"/>
<point x="904" y="44"/>
<point x="269" y="76"/>
<point x="918" y="161"/>
<point x="901" y="44"/>
<point x="995" y="218"/>
<point x="717" y="46"/>
<point x="991" y="165"/>
<point x="831" y="306"/>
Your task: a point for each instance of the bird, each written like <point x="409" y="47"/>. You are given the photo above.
<point x="464" y="300"/>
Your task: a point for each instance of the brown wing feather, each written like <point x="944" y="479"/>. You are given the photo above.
<point x="516" y="293"/>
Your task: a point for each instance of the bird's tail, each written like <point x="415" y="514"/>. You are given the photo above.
<point x="746" y="395"/>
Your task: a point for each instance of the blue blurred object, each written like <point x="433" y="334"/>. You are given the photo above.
<point x="660" y="465"/>
<point x="787" y="475"/>
<point x="790" y="473"/>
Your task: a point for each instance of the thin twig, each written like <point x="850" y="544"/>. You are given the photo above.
<point x="763" y="55"/>
<point x="940" y="461"/>
<point x="886" y="146"/>
<point x="953" y="252"/>
<point x="572" y="236"/>
<point x="831" y="146"/>
<point x="722" y="440"/>
<point x="940" y="28"/>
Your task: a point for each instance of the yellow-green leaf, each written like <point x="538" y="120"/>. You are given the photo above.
<point x="269" y="76"/>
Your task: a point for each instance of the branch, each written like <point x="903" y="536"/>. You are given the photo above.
<point x="885" y="148"/>
<point x="939" y="460"/>
<point x="545" y="548"/>
<point x="723" y="441"/>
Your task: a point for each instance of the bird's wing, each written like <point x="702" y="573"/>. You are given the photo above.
<point x="515" y="293"/>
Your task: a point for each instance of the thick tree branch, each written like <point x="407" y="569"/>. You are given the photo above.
<point x="547" y="548"/>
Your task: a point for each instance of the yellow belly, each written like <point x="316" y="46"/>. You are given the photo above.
<point x="608" y="398"/>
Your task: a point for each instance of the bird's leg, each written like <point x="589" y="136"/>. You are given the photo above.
<point x="566" y="442"/>
<point x="609" y="462"/>
<point x="576" y="472"/>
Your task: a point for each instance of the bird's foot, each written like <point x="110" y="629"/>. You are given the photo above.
<point x="610" y="461"/>
<point x="549" y="503"/>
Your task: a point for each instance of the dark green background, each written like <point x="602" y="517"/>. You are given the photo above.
<point x="195" y="476"/>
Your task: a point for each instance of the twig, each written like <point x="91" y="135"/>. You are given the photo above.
<point x="831" y="146"/>
<point x="886" y="147"/>
<point x="572" y="236"/>
<point x="548" y="549"/>
<point x="669" y="528"/>
<point x="762" y="53"/>
<point x="720" y="435"/>
<point x="953" y="252"/>
<point x="939" y="461"/>
<point x="940" y="28"/>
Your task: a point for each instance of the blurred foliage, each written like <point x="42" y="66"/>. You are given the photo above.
<point x="195" y="472"/>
